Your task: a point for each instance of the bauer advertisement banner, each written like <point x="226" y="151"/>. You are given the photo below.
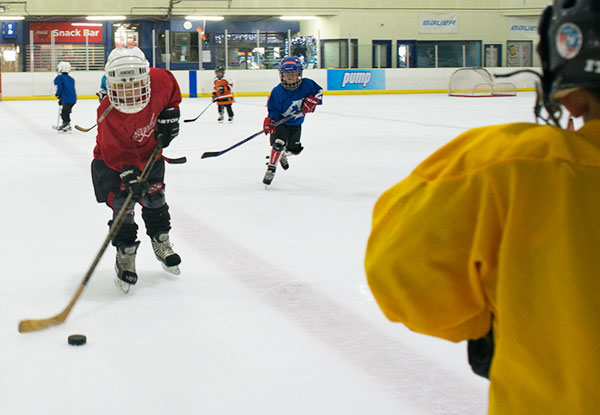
<point x="438" y="23"/>
<point x="355" y="79"/>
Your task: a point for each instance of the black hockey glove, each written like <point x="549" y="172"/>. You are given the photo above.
<point x="101" y="94"/>
<point x="129" y="177"/>
<point x="167" y="124"/>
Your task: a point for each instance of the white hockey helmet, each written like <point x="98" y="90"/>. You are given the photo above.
<point x="128" y="79"/>
<point x="63" y="67"/>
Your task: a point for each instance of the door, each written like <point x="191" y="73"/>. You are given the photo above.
<point x="407" y="57"/>
<point x="382" y="54"/>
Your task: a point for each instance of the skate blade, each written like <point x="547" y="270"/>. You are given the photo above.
<point x="172" y="270"/>
<point x="122" y="285"/>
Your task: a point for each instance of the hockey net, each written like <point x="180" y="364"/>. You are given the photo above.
<point x="478" y="82"/>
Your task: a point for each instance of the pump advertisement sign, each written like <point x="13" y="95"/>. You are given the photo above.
<point x="66" y="32"/>
<point x="355" y="79"/>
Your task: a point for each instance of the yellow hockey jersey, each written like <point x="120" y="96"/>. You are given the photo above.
<point x="501" y="227"/>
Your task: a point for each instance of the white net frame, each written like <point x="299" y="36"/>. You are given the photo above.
<point x="478" y="82"/>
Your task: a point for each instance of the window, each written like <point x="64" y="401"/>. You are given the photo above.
<point x="449" y="54"/>
<point x="334" y="53"/>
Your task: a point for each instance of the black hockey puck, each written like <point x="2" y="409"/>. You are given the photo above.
<point x="77" y="339"/>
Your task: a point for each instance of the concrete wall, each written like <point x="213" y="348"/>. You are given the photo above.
<point x="417" y="80"/>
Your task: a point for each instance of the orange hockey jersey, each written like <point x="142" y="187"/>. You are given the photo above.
<point x="223" y="91"/>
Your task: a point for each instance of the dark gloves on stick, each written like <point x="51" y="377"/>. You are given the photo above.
<point x="129" y="177"/>
<point x="167" y="125"/>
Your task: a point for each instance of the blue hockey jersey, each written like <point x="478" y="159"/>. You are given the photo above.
<point x="65" y="88"/>
<point x="283" y="102"/>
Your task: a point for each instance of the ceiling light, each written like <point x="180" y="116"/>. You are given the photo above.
<point x="298" y="17"/>
<point x="105" y="18"/>
<point x="12" y="17"/>
<point x="211" y="18"/>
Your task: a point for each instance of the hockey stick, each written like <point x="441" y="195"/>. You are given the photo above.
<point x="239" y="143"/>
<point x="40" y="324"/>
<point x="55" y="127"/>
<point x="85" y="130"/>
<point x="203" y="111"/>
<point x="178" y="160"/>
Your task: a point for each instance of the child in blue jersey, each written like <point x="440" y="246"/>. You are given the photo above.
<point x="294" y="95"/>
<point x="65" y="92"/>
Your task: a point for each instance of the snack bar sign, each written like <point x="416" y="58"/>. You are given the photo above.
<point x="65" y="32"/>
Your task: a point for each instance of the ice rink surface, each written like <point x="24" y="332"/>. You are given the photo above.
<point x="271" y="314"/>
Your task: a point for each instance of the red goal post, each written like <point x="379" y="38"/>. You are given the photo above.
<point x="478" y="82"/>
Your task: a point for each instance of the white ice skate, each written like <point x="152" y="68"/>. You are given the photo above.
<point x="164" y="253"/>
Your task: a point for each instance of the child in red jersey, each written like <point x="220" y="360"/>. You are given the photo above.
<point x="143" y="103"/>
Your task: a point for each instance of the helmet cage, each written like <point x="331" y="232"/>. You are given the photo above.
<point x="290" y="65"/>
<point x="128" y="81"/>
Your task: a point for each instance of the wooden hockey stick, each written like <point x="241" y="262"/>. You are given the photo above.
<point x="239" y="143"/>
<point x="40" y="324"/>
<point x="203" y="111"/>
<point x="85" y="130"/>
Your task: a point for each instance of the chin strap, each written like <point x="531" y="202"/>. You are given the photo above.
<point x="553" y="108"/>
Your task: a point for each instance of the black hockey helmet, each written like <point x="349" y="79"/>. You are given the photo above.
<point x="219" y="68"/>
<point x="569" y="46"/>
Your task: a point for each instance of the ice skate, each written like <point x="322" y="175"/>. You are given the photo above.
<point x="270" y="173"/>
<point x="164" y="253"/>
<point x="230" y="119"/>
<point x="284" y="160"/>
<point x="64" y="128"/>
<point x="220" y="119"/>
<point x="125" y="266"/>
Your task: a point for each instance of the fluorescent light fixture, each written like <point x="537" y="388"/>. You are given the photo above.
<point x="105" y="18"/>
<point x="86" y="24"/>
<point x="298" y="17"/>
<point x="12" y="17"/>
<point x="210" y="18"/>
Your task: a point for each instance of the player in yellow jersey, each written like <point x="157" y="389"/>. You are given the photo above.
<point x="496" y="236"/>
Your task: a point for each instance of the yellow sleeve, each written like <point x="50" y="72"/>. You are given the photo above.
<point x="430" y="259"/>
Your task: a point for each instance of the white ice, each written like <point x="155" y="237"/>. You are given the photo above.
<point x="271" y="314"/>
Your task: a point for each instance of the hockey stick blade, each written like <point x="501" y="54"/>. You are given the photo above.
<point x="26" y="326"/>
<point x="85" y="130"/>
<point x="178" y="160"/>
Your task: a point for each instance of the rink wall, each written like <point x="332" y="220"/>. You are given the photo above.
<point x="40" y="85"/>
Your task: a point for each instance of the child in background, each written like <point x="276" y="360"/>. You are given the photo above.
<point x="65" y="92"/>
<point x="223" y="94"/>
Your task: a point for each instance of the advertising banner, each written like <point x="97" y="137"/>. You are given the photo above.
<point x="438" y="23"/>
<point x="66" y="32"/>
<point x="522" y="27"/>
<point x="355" y="79"/>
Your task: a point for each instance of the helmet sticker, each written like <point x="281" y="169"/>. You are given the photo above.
<point x="569" y="40"/>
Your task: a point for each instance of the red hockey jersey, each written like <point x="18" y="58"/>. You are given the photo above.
<point x="125" y="140"/>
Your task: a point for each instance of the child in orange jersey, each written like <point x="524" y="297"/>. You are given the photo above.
<point x="223" y="94"/>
